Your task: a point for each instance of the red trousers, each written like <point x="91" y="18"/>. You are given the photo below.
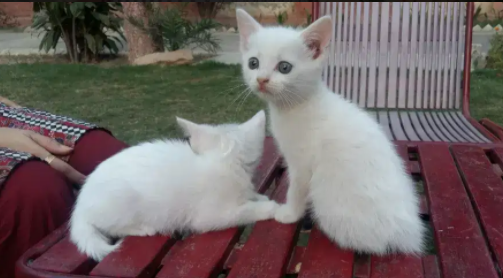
<point x="36" y="199"/>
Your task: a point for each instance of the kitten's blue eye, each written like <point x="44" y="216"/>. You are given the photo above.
<point x="253" y="63"/>
<point x="284" y="67"/>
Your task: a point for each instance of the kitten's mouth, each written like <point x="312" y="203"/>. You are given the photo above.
<point x="263" y="89"/>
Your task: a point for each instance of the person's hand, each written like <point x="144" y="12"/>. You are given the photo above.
<point x="9" y="102"/>
<point x="42" y="147"/>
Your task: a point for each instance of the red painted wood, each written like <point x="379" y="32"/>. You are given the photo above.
<point x="63" y="257"/>
<point x="412" y="167"/>
<point x="23" y="267"/>
<point x="232" y="258"/>
<point x="492" y="127"/>
<point x="296" y="261"/>
<point x="415" y="168"/>
<point x="499" y="158"/>
<point x="396" y="266"/>
<point x="462" y="250"/>
<point x="460" y="244"/>
<point x="486" y="189"/>
<point x="267" y="251"/>
<point x="482" y="129"/>
<point x="199" y="255"/>
<point x="269" y="165"/>
<point x="324" y="259"/>
<point x="204" y="255"/>
<point x="137" y="257"/>
<point x="430" y="267"/>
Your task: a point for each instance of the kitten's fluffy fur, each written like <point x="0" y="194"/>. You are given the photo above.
<point x="339" y="159"/>
<point x="167" y="186"/>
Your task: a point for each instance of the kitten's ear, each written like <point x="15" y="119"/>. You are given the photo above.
<point x="226" y="145"/>
<point x="189" y="128"/>
<point x="205" y="138"/>
<point x="317" y="35"/>
<point x="257" y="122"/>
<point x="247" y="25"/>
<point x="195" y="133"/>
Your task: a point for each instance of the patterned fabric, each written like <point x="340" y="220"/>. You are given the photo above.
<point x="64" y="130"/>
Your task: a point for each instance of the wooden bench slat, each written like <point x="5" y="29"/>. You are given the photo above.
<point x="460" y="244"/>
<point x="63" y="257"/>
<point x="200" y="255"/>
<point x="430" y="266"/>
<point x="203" y="255"/>
<point x="268" y="167"/>
<point x="137" y="257"/>
<point x="267" y="251"/>
<point x="486" y="189"/>
<point x="396" y="266"/>
<point x="412" y="167"/>
<point x="324" y="259"/>
<point x="296" y="260"/>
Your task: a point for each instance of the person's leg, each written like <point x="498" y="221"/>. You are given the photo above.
<point x="93" y="148"/>
<point x="34" y="201"/>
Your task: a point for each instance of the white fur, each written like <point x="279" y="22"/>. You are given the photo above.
<point x="168" y="186"/>
<point x="339" y="159"/>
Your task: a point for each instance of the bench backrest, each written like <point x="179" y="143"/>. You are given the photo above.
<point x="397" y="55"/>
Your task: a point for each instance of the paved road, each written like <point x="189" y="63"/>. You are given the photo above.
<point x="16" y="43"/>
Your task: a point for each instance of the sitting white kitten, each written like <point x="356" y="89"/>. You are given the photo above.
<point x="339" y="159"/>
<point x="167" y="186"/>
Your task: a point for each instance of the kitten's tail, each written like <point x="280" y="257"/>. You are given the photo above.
<point x="90" y="240"/>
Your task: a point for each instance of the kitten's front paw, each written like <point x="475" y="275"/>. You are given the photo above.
<point x="285" y="214"/>
<point x="267" y="209"/>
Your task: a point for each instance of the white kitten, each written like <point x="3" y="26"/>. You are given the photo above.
<point x="168" y="186"/>
<point x="339" y="159"/>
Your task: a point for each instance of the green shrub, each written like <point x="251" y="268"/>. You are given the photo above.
<point x="281" y="18"/>
<point x="177" y="31"/>
<point x="81" y="25"/>
<point x="309" y="17"/>
<point x="495" y="54"/>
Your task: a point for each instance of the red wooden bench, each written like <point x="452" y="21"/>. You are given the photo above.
<point x="462" y="201"/>
<point x="405" y="63"/>
<point x="461" y="185"/>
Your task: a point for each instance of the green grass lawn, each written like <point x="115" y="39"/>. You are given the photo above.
<point x="139" y="103"/>
<point x="136" y="103"/>
<point x="487" y="95"/>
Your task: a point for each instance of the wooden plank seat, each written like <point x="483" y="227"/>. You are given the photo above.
<point x="405" y="62"/>
<point x="461" y="191"/>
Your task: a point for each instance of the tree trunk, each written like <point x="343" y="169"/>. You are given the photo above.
<point x="139" y="43"/>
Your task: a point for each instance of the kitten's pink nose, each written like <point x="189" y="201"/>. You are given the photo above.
<point x="262" y="81"/>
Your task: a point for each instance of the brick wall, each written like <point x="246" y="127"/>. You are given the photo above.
<point x="21" y="11"/>
<point x="265" y="11"/>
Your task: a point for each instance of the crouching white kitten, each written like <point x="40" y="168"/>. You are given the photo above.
<point x="339" y="159"/>
<point x="167" y="186"/>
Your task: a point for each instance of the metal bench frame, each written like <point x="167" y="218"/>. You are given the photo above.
<point x="406" y="107"/>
